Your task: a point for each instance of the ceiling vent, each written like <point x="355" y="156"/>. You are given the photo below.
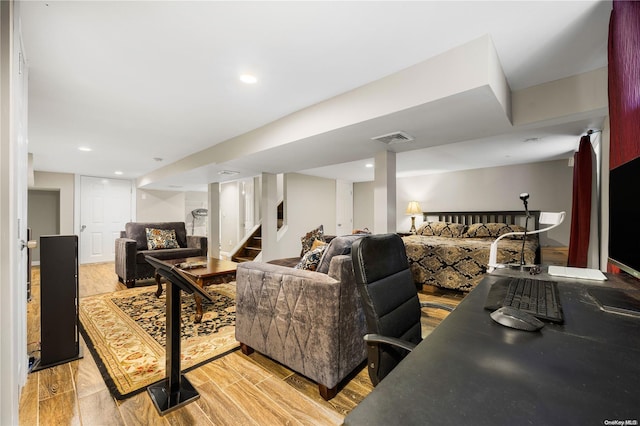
<point x="228" y="173"/>
<point x="394" y="138"/>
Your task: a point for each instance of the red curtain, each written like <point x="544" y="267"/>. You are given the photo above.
<point x="624" y="84"/>
<point x="581" y="206"/>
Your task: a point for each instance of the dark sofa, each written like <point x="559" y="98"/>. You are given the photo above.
<point x="132" y="247"/>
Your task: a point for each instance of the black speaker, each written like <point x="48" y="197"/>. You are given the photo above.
<point x="59" y="339"/>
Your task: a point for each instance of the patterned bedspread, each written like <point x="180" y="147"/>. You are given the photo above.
<point x="459" y="263"/>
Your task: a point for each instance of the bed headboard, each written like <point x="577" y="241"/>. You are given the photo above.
<point x="510" y="217"/>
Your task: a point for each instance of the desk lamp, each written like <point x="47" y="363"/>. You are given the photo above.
<point x="546" y="218"/>
<point x="413" y="209"/>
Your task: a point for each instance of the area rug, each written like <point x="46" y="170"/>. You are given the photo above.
<point x="125" y="332"/>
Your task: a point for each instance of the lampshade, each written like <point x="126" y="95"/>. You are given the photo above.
<point x="413" y="208"/>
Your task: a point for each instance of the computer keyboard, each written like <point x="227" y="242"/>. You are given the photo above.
<point x="535" y="296"/>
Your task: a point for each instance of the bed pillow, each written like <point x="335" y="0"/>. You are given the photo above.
<point x="493" y="230"/>
<point x="441" y="229"/>
<point x="161" y="239"/>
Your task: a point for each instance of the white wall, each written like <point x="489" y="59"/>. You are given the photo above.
<point x="160" y="206"/>
<point x="309" y="202"/>
<point x="548" y="183"/>
<point x="229" y="216"/>
<point x="195" y="200"/>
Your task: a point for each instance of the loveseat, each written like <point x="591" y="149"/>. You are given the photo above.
<point x="310" y="321"/>
<point x="133" y="245"/>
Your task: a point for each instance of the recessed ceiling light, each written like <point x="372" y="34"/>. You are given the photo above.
<point x="84" y="148"/>
<point x="228" y="172"/>
<point x="248" y="78"/>
<point x="118" y="172"/>
<point x="368" y="165"/>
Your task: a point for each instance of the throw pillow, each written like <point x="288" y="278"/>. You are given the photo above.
<point x="310" y="237"/>
<point x="311" y="259"/>
<point x="161" y="239"/>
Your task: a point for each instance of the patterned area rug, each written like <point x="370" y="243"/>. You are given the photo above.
<point x="125" y="332"/>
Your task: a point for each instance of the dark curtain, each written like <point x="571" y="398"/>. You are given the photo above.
<point x="624" y="84"/>
<point x="581" y="205"/>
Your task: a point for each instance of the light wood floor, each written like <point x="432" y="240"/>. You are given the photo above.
<point x="235" y="389"/>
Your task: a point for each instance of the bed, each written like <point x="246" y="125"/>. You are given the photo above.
<point x="451" y="249"/>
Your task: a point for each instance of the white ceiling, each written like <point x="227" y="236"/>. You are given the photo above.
<point x="136" y="81"/>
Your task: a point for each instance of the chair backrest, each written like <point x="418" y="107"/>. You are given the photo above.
<point x="389" y="296"/>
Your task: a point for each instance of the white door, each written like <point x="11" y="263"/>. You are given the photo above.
<point x="344" y="207"/>
<point x="105" y="207"/>
<point x="13" y="212"/>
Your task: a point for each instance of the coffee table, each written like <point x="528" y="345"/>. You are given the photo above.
<point x="203" y="271"/>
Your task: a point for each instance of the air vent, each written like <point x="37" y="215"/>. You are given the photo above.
<point x="394" y="138"/>
<point x="228" y="172"/>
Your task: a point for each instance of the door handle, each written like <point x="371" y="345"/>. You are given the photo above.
<point x="31" y="244"/>
<point x="83" y="227"/>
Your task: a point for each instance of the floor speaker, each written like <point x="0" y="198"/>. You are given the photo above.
<point x="59" y="339"/>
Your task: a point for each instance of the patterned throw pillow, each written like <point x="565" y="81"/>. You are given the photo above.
<point x="493" y="230"/>
<point x="311" y="259"/>
<point x="161" y="239"/>
<point x="441" y="229"/>
<point x="310" y="237"/>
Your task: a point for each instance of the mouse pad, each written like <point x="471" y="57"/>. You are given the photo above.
<point x="617" y="301"/>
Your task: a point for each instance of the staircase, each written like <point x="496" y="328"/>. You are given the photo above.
<point x="250" y="249"/>
<point x="253" y="245"/>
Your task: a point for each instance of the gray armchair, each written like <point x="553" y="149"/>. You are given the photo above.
<point x="309" y="321"/>
<point x="131" y="249"/>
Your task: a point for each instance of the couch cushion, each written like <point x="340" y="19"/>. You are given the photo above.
<point x="167" y="254"/>
<point x="137" y="231"/>
<point x="337" y="246"/>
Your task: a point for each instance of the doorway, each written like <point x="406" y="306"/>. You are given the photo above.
<point x="105" y="207"/>
<point x="43" y="217"/>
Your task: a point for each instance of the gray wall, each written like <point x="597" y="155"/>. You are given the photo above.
<point x="548" y="183"/>
<point x="43" y="216"/>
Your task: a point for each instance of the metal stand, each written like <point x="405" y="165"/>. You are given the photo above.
<point x="175" y="390"/>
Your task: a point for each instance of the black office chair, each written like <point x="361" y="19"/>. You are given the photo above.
<point x="390" y="301"/>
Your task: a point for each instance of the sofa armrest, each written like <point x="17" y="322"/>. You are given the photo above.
<point x="309" y="321"/>
<point x="195" y="241"/>
<point x="125" y="262"/>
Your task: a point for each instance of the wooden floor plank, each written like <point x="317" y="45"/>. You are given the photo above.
<point x="257" y="405"/>
<point x="59" y="409"/>
<point x="140" y="411"/>
<point x="303" y="409"/>
<point x="99" y="408"/>
<point x="220" y="408"/>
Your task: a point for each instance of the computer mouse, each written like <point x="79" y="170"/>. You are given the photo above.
<point x="515" y="318"/>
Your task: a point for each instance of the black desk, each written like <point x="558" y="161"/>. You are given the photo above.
<point x="473" y="371"/>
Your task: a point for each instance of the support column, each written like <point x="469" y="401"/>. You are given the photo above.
<point x="214" y="220"/>
<point x="269" y="210"/>
<point x="384" y="193"/>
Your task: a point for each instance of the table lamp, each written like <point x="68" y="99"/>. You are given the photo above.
<point x="413" y="209"/>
